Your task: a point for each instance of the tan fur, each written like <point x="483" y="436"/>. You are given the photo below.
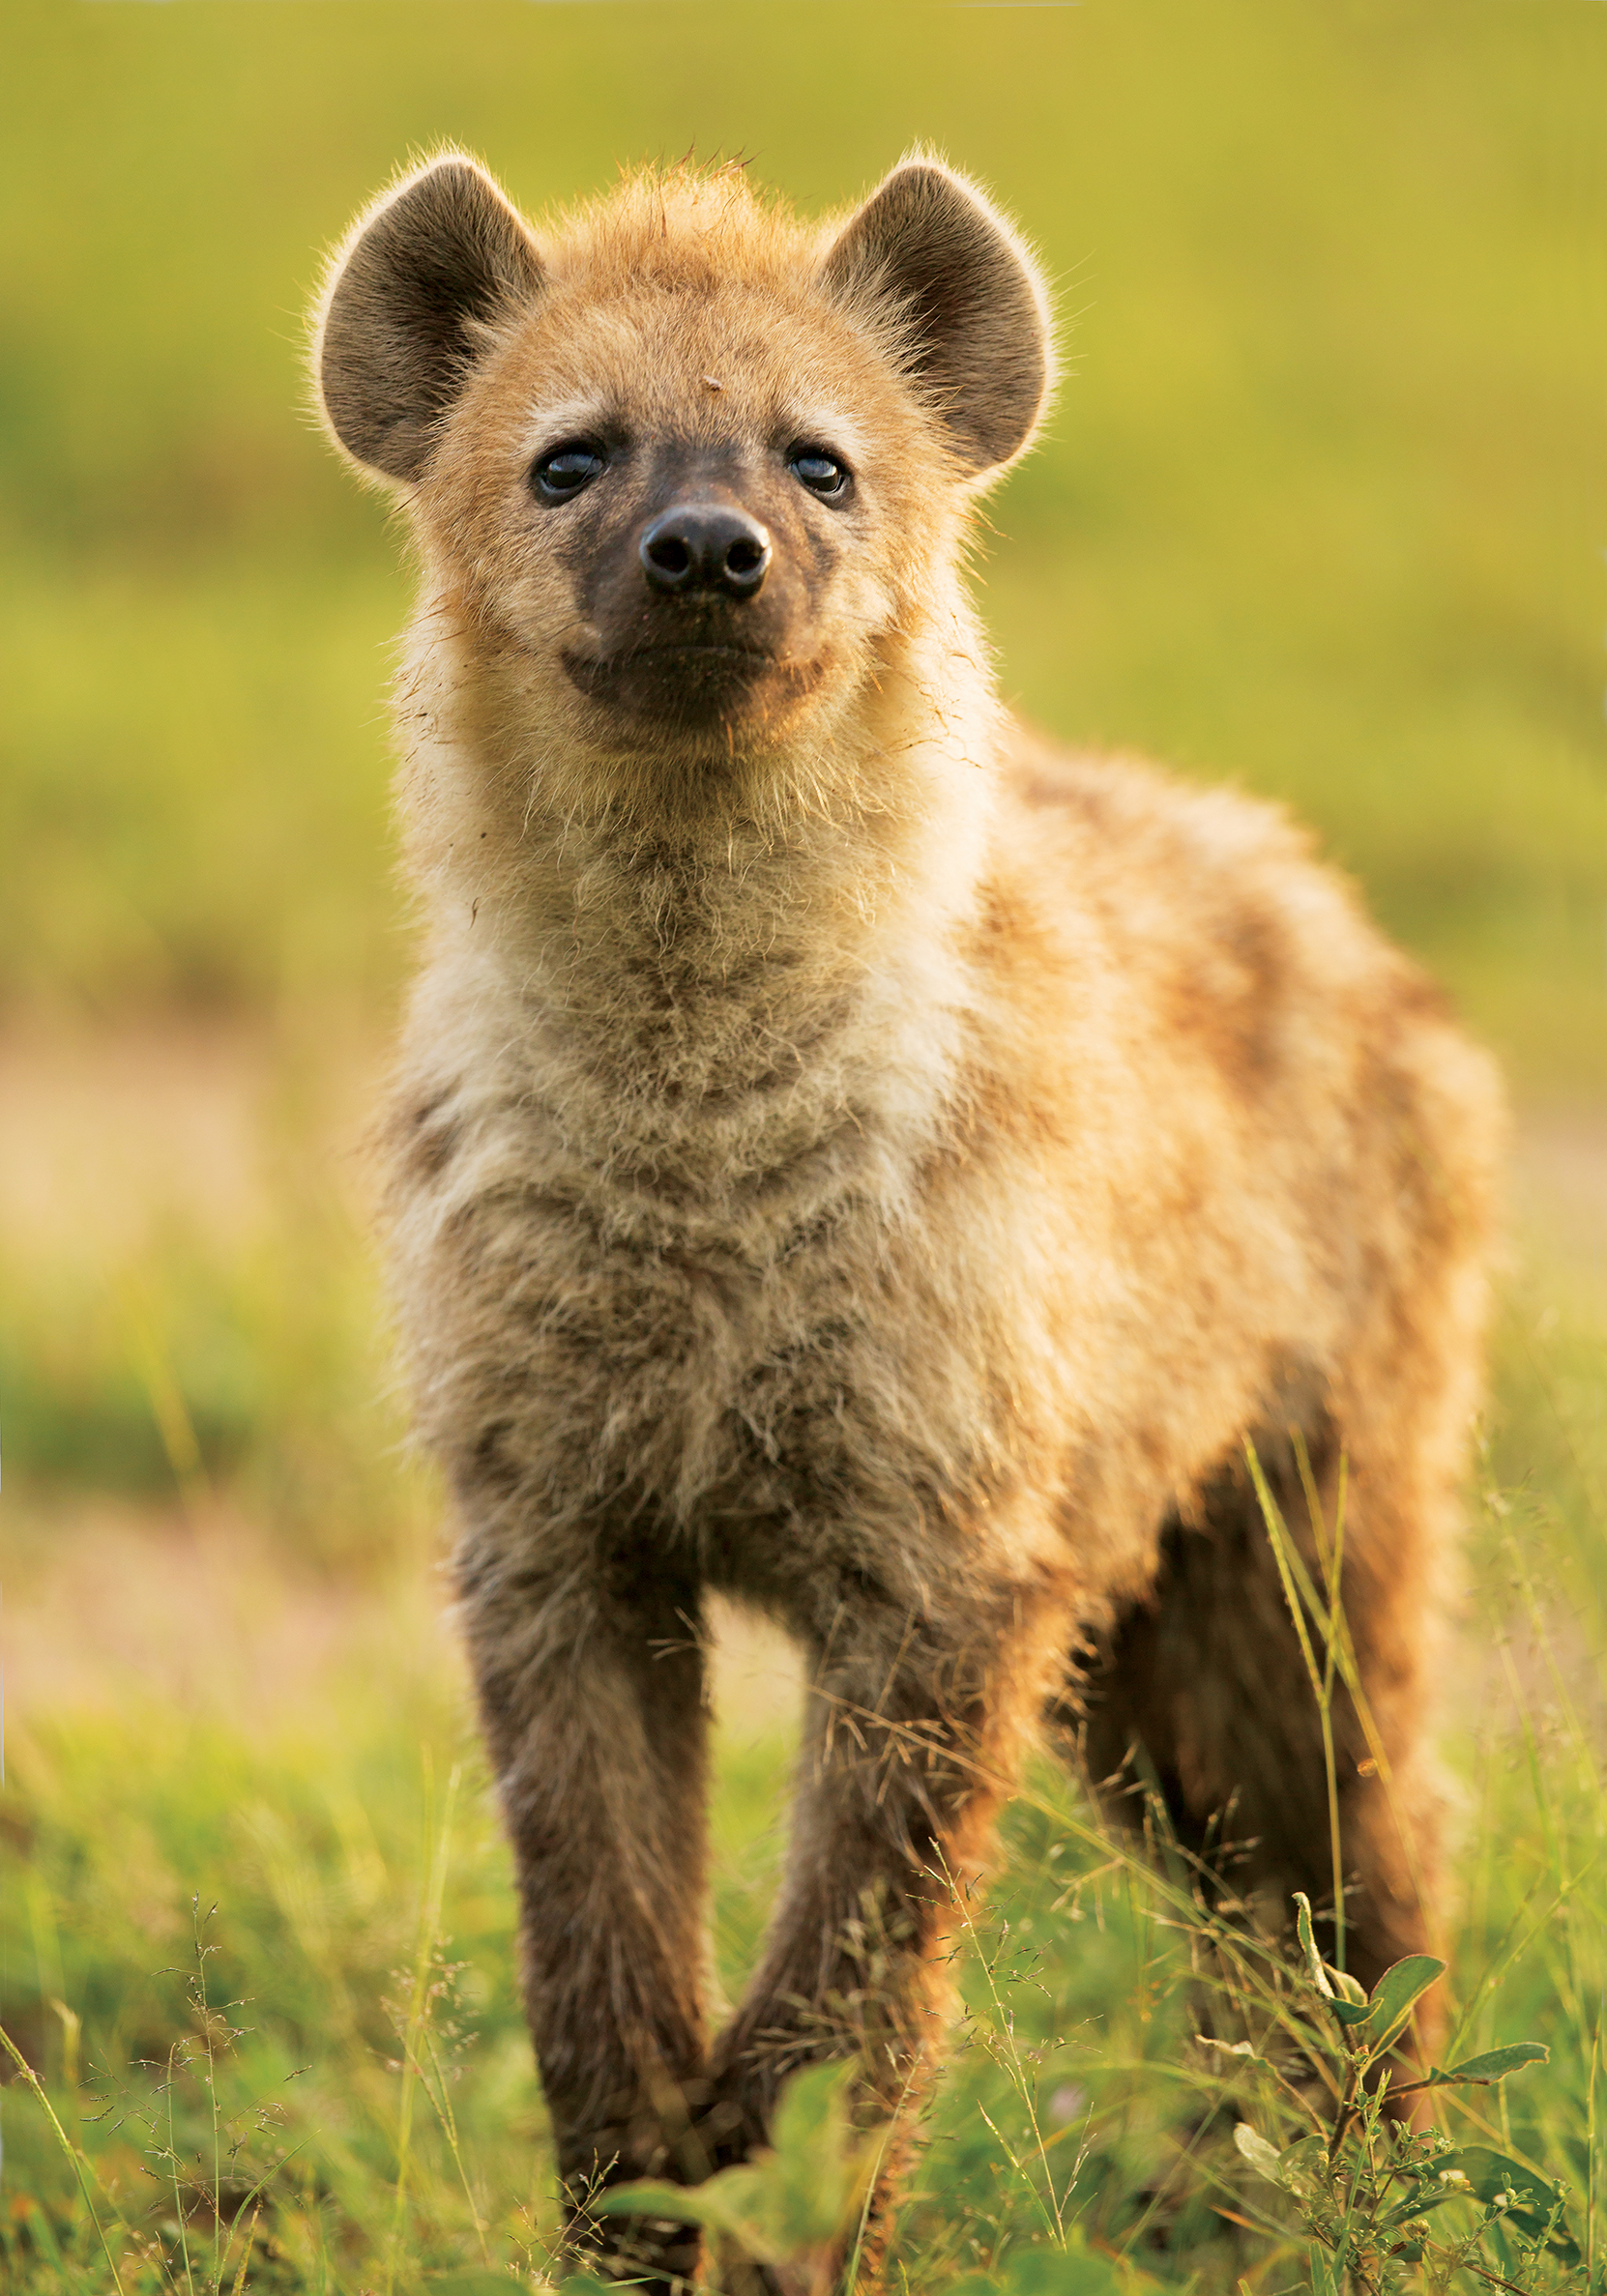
<point x="863" y="1160"/>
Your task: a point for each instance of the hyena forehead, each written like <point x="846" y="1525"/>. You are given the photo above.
<point x="925" y="292"/>
<point x="735" y="370"/>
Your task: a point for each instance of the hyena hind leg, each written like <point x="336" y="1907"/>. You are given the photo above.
<point x="1205" y="1694"/>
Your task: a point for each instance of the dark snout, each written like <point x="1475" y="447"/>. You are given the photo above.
<point x="712" y="548"/>
<point x="703" y="581"/>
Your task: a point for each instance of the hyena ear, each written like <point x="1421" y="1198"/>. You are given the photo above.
<point x="406" y="308"/>
<point x="968" y="304"/>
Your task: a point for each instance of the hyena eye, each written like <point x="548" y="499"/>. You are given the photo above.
<point x="567" y="470"/>
<point x="821" y="473"/>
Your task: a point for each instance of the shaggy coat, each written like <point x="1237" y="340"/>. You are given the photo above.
<point x="853" y="1156"/>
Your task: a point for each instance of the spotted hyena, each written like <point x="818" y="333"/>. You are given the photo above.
<point x="853" y="1156"/>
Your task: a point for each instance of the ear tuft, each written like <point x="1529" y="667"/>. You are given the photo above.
<point x="966" y="299"/>
<point x="435" y="260"/>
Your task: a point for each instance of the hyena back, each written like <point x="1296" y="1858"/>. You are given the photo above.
<point x="853" y="1157"/>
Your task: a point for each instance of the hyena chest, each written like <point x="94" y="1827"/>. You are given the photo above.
<point x="748" y="1366"/>
<point x="795" y="1428"/>
<point x="719" y="1363"/>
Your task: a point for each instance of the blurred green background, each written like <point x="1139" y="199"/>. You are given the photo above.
<point x="1322" y="507"/>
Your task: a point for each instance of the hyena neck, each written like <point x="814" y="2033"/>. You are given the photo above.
<point x="696" y="1002"/>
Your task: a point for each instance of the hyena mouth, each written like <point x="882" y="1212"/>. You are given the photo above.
<point x="693" y="684"/>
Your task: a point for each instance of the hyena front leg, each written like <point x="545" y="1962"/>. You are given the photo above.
<point x="592" y="1688"/>
<point x="912" y="1737"/>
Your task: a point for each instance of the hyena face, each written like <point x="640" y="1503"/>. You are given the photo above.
<point x="693" y="536"/>
<point x="688" y="463"/>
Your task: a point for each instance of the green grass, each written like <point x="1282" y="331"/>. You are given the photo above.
<point x="1322" y="510"/>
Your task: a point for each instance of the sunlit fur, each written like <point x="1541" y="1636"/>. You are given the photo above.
<point x="884" y="1168"/>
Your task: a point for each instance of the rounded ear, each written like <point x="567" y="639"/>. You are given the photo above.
<point x="967" y="302"/>
<point x="402" y="318"/>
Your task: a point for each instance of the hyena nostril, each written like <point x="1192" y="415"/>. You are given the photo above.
<point x="746" y="560"/>
<point x="667" y="560"/>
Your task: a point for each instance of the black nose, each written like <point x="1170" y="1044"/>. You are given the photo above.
<point x="706" y="547"/>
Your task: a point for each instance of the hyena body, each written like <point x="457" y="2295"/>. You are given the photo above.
<point x="853" y="1157"/>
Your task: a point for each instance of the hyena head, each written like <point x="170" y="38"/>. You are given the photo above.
<point x="689" y="475"/>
